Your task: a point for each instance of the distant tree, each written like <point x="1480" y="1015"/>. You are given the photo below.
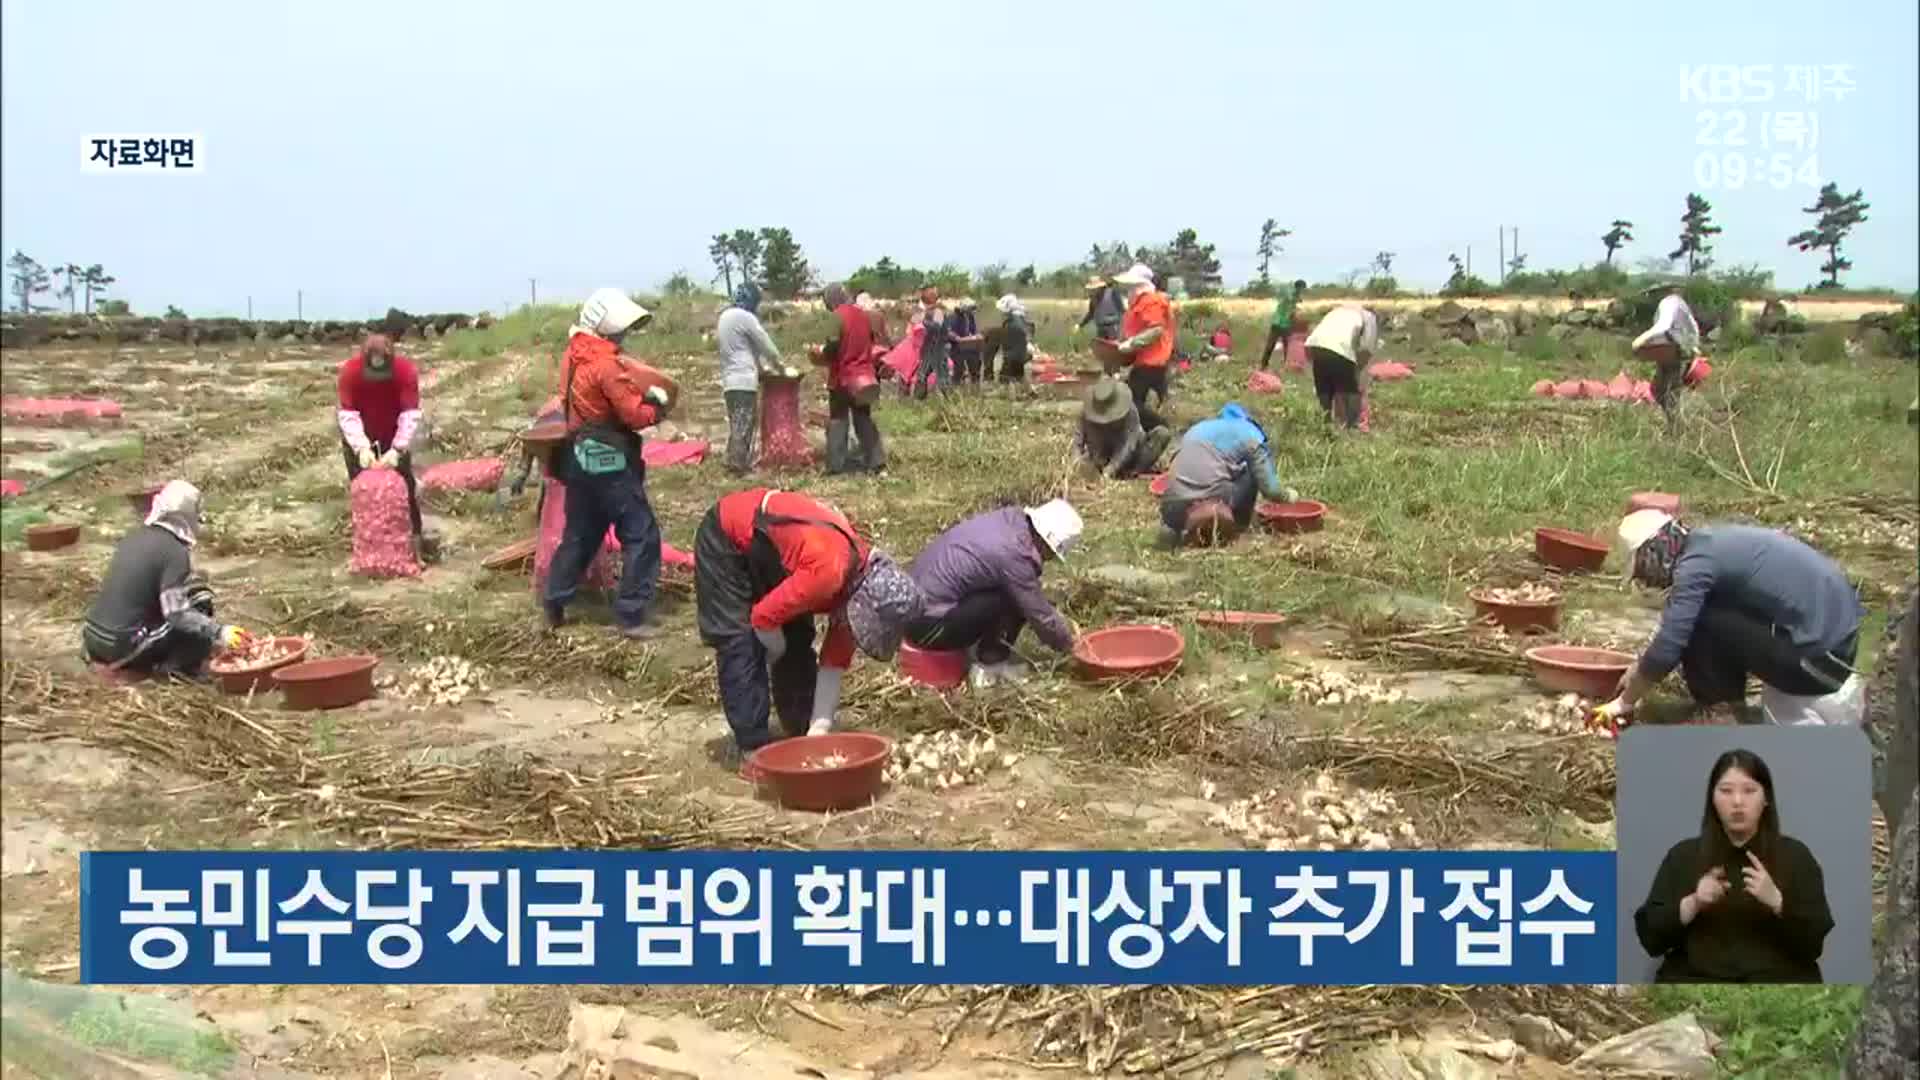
<point x="69" y="275"/>
<point x="1064" y="278"/>
<point x="1383" y="263"/>
<point x="749" y="251"/>
<point x="29" y="279"/>
<point x="1696" y="235"/>
<point x="1194" y="263"/>
<point x="115" y="307"/>
<point x="1027" y="278"/>
<point x="1655" y="264"/>
<point x="1109" y="260"/>
<point x="681" y="284"/>
<point x="1270" y="236"/>
<point x="1459" y="268"/>
<point x="884" y="278"/>
<point x="721" y="252"/>
<point x="174" y="313"/>
<point x="783" y="266"/>
<point x="95" y="280"/>
<point x="1838" y="215"/>
<point x="1621" y="233"/>
<point x="1517" y="264"/>
<point x="992" y="279"/>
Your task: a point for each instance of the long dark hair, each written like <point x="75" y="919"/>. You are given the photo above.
<point x="1715" y="848"/>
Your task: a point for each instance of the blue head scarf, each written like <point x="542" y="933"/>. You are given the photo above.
<point x="747" y="296"/>
<point x="1233" y="410"/>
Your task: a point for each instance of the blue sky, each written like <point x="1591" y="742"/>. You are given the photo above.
<point x="435" y="156"/>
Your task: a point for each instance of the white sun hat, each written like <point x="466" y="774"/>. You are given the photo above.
<point x="1636" y="529"/>
<point x="1058" y="524"/>
<point x="1137" y="274"/>
<point x="608" y="312"/>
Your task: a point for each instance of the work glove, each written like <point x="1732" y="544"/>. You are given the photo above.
<point x="390" y="459"/>
<point x="1288" y="494"/>
<point x="826" y="700"/>
<point x="366" y="457"/>
<point x="235" y="638"/>
<point x="656" y="396"/>
<point x="774" y="642"/>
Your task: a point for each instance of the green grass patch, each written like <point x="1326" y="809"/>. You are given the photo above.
<point x="1771" y="1032"/>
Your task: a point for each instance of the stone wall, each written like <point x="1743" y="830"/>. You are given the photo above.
<point x="27" y="331"/>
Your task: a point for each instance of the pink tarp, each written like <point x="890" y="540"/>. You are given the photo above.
<point x="471" y="474"/>
<point x="59" y="410"/>
<point x="1390" y="371"/>
<point x="903" y="358"/>
<point x="9" y="488"/>
<point x="685" y="452"/>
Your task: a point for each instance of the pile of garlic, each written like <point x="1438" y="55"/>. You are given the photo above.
<point x="1325" y="817"/>
<point x="946" y="759"/>
<point x="446" y="680"/>
<point x="1326" y="686"/>
<point x="1568" y="714"/>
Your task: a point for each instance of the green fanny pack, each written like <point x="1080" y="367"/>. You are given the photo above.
<point x="596" y="458"/>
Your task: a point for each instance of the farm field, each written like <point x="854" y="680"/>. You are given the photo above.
<point x="1381" y="685"/>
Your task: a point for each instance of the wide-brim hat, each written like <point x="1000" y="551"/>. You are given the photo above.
<point x="1106" y="402"/>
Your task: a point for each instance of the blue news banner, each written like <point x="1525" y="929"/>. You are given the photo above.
<point x="833" y="917"/>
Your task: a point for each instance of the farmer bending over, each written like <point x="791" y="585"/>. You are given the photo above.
<point x="1148" y="342"/>
<point x="1341" y="346"/>
<point x="1286" y="300"/>
<point x="1744" y="600"/>
<point x="1670" y="344"/>
<point x="379" y="410"/>
<point x="601" y="466"/>
<point x="154" y="614"/>
<point x="1109" y="436"/>
<point x="1106" y="309"/>
<point x="851" y="388"/>
<point x="1227" y="458"/>
<point x="746" y="354"/>
<point x="765" y="563"/>
<point x="982" y="584"/>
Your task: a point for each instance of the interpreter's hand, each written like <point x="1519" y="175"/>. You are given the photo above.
<point x="774" y="642"/>
<point x="1711" y="887"/>
<point x="390" y="459"/>
<point x="366" y="457"/>
<point x="235" y="638"/>
<point x="1760" y="883"/>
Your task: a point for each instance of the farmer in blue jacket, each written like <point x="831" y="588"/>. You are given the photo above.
<point x="1225" y="457"/>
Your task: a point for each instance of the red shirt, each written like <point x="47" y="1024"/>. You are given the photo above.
<point x="379" y="401"/>
<point x="856" y="345"/>
<point x="818" y="560"/>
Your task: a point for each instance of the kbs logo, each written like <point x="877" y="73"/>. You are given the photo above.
<point x="1726" y="84"/>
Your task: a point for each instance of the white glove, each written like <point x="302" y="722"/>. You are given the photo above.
<point x="390" y="459"/>
<point x="775" y="642"/>
<point x="656" y="396"/>
<point x="366" y="457"/>
<point x="826" y="699"/>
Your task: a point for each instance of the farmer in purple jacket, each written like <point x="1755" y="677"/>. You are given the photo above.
<point x="982" y="583"/>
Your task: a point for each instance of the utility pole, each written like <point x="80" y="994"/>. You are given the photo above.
<point x="1469" y="260"/>
<point x="249" y="309"/>
<point x="300" y="305"/>
<point x="532" y="296"/>
<point x="1503" y="254"/>
<point x="1516" y="241"/>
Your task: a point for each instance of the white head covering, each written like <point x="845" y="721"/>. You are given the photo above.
<point x="177" y="509"/>
<point x="608" y="312"/>
<point x="1137" y="274"/>
<point x="1636" y="529"/>
<point x="1058" y="524"/>
<point x="864" y="301"/>
<point x="1010" y="305"/>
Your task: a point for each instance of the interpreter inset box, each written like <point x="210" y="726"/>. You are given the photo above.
<point x="1745" y="855"/>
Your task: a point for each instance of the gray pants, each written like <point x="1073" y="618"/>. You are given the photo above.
<point x="741" y="408"/>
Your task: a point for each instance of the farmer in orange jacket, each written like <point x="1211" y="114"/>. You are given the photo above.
<point x="765" y="563"/>
<point x="601" y="467"/>
<point x="1148" y="340"/>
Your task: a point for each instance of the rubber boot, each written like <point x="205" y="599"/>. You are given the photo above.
<point x="837" y="432"/>
<point x="1153" y="447"/>
<point x="873" y="449"/>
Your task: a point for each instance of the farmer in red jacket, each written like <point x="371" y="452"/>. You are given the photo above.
<point x="850" y="353"/>
<point x="601" y="466"/>
<point x="765" y="563"/>
<point x="379" y="410"/>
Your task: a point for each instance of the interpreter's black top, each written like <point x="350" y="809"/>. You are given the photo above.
<point x="1738" y="939"/>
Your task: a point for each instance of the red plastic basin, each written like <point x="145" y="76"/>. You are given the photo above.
<point x="1518" y="614"/>
<point x="1572" y="669"/>
<point x="1294" y="517"/>
<point x="1159" y="484"/>
<point x="333" y="683"/>
<point x="238" y="676"/>
<point x="792" y="768"/>
<point x="1124" y="652"/>
<point x="1261" y="627"/>
<point x="942" y="669"/>
<point x="1564" y="549"/>
<point x="51" y="537"/>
